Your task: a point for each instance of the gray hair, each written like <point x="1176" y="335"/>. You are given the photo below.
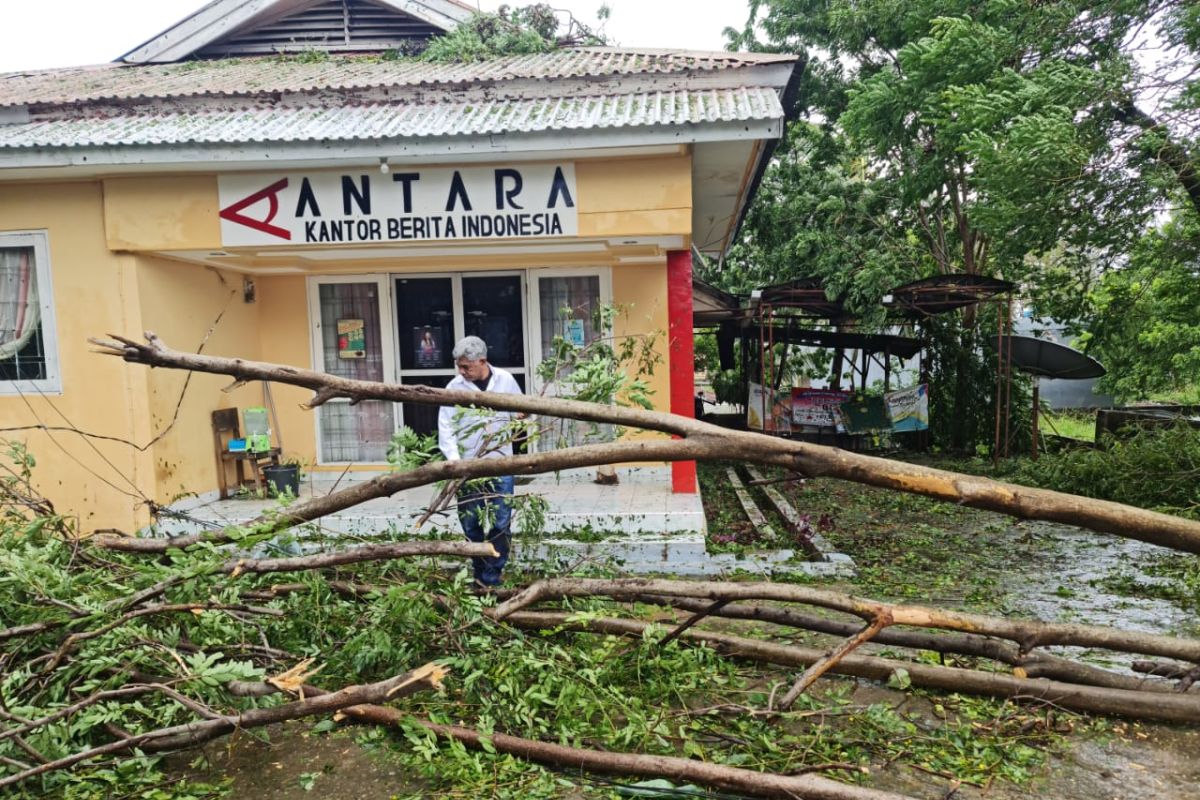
<point x="472" y="348"/>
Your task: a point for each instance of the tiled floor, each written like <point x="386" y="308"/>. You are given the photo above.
<point x="641" y="503"/>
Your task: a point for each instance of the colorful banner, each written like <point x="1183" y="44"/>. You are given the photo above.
<point x="777" y="408"/>
<point x="817" y="407"/>
<point x="909" y="408"/>
<point x="865" y="414"/>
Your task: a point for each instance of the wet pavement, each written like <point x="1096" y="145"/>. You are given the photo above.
<point x="1065" y="575"/>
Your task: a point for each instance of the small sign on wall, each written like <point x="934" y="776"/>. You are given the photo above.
<point x="352" y="338"/>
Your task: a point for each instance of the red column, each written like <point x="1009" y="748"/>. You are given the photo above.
<point x="682" y="357"/>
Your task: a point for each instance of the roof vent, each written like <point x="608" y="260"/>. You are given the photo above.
<point x="334" y="26"/>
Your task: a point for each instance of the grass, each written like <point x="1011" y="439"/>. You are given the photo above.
<point x="1073" y="424"/>
<point x="728" y="528"/>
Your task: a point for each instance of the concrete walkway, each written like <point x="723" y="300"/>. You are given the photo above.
<point x="636" y="526"/>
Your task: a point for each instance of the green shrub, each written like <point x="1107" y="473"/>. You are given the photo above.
<point x="1157" y="468"/>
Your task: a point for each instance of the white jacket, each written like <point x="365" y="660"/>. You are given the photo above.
<point x="463" y="432"/>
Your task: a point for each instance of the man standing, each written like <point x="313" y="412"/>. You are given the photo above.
<point x="484" y="511"/>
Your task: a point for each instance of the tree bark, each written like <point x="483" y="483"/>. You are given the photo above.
<point x="1026" y="633"/>
<point x="700" y="441"/>
<point x="1093" y="699"/>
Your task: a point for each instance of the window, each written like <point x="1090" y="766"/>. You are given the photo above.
<point x="28" y="346"/>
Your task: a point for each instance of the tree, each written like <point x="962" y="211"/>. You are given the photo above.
<point x="978" y="137"/>
<point x="1144" y="326"/>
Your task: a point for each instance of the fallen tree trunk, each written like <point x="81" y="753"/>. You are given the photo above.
<point x="1035" y="665"/>
<point x="1026" y="633"/>
<point x="387" y="485"/>
<point x="698" y="440"/>
<point x="1093" y="699"/>
<point x="192" y="733"/>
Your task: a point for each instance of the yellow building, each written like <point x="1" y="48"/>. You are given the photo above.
<point x="340" y="210"/>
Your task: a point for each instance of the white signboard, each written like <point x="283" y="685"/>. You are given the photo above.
<point x="404" y="205"/>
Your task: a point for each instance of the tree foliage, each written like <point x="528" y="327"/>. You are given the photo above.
<point x="512" y="31"/>
<point x="1145" y="323"/>
<point x="1034" y="142"/>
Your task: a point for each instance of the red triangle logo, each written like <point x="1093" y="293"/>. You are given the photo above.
<point x="233" y="212"/>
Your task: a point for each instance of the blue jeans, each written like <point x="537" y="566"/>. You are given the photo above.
<point x="485" y="513"/>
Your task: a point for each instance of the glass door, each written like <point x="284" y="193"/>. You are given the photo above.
<point x="434" y="312"/>
<point x="349" y="343"/>
<point x="567" y="305"/>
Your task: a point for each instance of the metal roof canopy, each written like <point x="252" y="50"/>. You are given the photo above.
<point x="1048" y="359"/>
<point x="942" y="293"/>
<point x="871" y="343"/>
<point x="806" y="295"/>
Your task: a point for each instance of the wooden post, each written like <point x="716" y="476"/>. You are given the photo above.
<point x="1036" y="386"/>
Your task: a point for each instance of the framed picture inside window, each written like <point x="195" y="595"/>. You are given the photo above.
<point x="427" y="348"/>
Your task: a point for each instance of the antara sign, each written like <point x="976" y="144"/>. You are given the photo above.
<point x="406" y="205"/>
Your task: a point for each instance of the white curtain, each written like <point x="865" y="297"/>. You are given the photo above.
<point x="20" y="312"/>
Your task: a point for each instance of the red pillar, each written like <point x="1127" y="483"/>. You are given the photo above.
<point x="682" y="357"/>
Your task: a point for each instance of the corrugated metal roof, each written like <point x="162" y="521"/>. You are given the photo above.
<point x="270" y="74"/>
<point x="387" y="121"/>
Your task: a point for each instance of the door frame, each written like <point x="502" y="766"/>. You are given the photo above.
<point x="387" y="339"/>
<point x="456" y="295"/>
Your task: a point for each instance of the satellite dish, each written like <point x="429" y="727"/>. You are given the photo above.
<point x="1047" y="359"/>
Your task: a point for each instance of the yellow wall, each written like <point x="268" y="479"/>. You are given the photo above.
<point x="190" y="307"/>
<point x="286" y="339"/>
<point x="175" y="213"/>
<point x="100" y="481"/>
<point x="641" y="292"/>
<point x="105" y="239"/>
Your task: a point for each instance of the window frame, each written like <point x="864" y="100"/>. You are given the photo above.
<point x="39" y="240"/>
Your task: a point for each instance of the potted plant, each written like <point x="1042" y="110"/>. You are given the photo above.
<point x="284" y="477"/>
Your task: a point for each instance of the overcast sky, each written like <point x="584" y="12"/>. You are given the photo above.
<point x="39" y="34"/>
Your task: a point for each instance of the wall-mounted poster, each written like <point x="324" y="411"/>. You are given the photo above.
<point x="576" y="335"/>
<point x="428" y="348"/>
<point x="352" y="338"/>
<point x="818" y="407"/>
<point x="909" y="408"/>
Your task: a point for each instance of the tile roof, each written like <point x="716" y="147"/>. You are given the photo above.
<point x="275" y="75"/>
<point x="386" y="121"/>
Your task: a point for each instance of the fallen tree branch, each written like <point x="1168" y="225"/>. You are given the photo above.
<point x="831" y="659"/>
<point x="1026" y="633"/>
<point x="1019" y="501"/>
<point x="356" y="555"/>
<point x="679" y="770"/>
<point x="429" y="676"/>
<point x="1034" y="665"/>
<point x="391" y="483"/>
<point x="1167" y="707"/>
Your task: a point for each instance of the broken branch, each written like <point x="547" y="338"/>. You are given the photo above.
<point x="815" y="460"/>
